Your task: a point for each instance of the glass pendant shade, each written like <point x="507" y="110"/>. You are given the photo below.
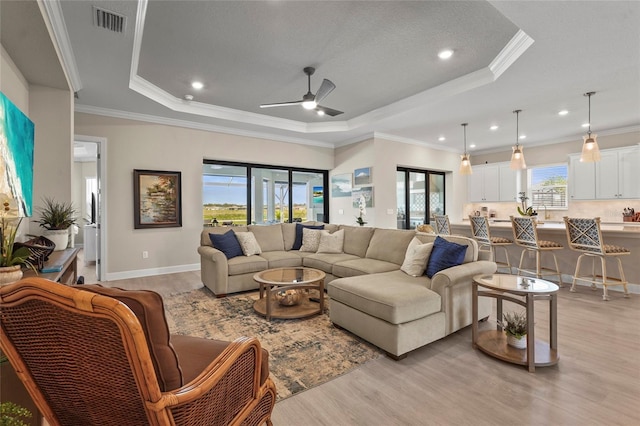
<point x="465" y="165"/>
<point x="517" y="159"/>
<point x="590" y="149"/>
<point x="465" y="159"/>
<point x="517" y="156"/>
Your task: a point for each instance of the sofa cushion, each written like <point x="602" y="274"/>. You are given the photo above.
<point x="360" y="266"/>
<point x="393" y="296"/>
<point x="325" y="261"/>
<point x="148" y="308"/>
<point x="297" y="243"/>
<point x="311" y="239"/>
<point x="415" y="259"/>
<point x="389" y="244"/>
<point x="282" y="259"/>
<point x="269" y="237"/>
<point x="472" y="246"/>
<point x="356" y="239"/>
<point x="248" y="243"/>
<point x="246" y="264"/>
<point x="444" y="254"/>
<point x="331" y="243"/>
<point x="227" y="243"/>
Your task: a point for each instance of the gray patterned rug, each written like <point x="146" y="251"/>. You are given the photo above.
<point x="303" y="352"/>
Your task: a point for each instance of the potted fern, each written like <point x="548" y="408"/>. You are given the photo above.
<point x="514" y="325"/>
<point x="56" y="218"/>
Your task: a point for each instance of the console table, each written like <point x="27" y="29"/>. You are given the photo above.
<point x="523" y="291"/>
<point x="68" y="275"/>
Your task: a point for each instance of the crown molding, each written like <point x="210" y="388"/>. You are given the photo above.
<point x="54" y="20"/>
<point x="106" y="112"/>
<point x="518" y="44"/>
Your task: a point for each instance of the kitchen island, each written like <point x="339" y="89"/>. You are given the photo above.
<point x="625" y="234"/>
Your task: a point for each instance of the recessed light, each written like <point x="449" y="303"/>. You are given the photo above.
<point x="563" y="112"/>
<point x="320" y="112"/>
<point x="585" y="125"/>
<point x="494" y="127"/>
<point x="445" y="54"/>
<point x="473" y="145"/>
<point x="197" y="85"/>
<point x="523" y="136"/>
<point x="188" y="97"/>
<point x="442" y="138"/>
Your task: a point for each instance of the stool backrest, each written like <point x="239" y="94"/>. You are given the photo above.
<point x="442" y="224"/>
<point x="480" y="229"/>
<point x="584" y="234"/>
<point x="524" y="231"/>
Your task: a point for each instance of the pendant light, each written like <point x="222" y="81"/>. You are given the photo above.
<point x="465" y="163"/>
<point x="517" y="157"/>
<point x="590" y="150"/>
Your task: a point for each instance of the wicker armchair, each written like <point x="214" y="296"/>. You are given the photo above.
<point x="88" y="359"/>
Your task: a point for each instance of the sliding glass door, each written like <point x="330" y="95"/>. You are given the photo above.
<point x="420" y="194"/>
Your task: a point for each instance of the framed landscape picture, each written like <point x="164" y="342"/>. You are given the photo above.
<point x="362" y="176"/>
<point x="157" y="199"/>
<point x="341" y="185"/>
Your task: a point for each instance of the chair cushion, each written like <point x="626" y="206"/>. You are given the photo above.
<point x="549" y="244"/>
<point x="196" y="353"/>
<point x="227" y="243"/>
<point x="148" y="308"/>
<point x="608" y="248"/>
<point x="445" y="254"/>
<point x="500" y="240"/>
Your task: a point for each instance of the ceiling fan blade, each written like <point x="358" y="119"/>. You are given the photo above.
<point x="325" y="88"/>
<point x="281" y="104"/>
<point x="329" y="111"/>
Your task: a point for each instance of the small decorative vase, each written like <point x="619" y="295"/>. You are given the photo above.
<point x="288" y="297"/>
<point x="10" y="274"/>
<point x="513" y="341"/>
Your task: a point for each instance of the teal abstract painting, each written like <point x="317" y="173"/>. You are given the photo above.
<point x="16" y="149"/>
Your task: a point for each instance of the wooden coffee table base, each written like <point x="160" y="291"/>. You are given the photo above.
<point x="305" y="308"/>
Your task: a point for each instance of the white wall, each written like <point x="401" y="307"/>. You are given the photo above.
<point x="137" y="145"/>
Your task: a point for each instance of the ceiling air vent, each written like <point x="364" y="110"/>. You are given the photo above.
<point x="111" y="21"/>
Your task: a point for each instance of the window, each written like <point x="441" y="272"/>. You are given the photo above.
<point x="238" y="194"/>
<point x="548" y="186"/>
<point x="420" y="195"/>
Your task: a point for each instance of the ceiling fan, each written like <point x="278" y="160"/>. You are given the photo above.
<point x="309" y="100"/>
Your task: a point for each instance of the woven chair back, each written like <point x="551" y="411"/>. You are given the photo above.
<point x="480" y="229"/>
<point x="442" y="226"/>
<point x="584" y="235"/>
<point x="525" y="233"/>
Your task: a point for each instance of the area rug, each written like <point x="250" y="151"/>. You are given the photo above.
<point x="303" y="353"/>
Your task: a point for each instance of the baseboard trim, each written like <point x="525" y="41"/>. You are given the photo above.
<point x="139" y="273"/>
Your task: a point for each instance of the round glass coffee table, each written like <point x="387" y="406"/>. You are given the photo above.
<point x="523" y="291"/>
<point x="290" y="292"/>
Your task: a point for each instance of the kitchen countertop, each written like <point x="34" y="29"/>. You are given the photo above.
<point x="632" y="228"/>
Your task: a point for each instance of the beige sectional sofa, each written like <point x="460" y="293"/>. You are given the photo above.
<point x="370" y="295"/>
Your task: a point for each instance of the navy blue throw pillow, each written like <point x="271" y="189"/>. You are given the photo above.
<point x="445" y="254"/>
<point x="298" y="241"/>
<point x="227" y="243"/>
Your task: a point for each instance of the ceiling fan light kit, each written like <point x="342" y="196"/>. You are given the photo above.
<point x="517" y="156"/>
<point x="310" y="101"/>
<point x="590" y="149"/>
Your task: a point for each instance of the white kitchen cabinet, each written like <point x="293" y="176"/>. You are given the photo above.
<point x="617" y="174"/>
<point x="483" y="184"/>
<point x="491" y="183"/>
<point x="508" y="183"/>
<point x="582" y="179"/>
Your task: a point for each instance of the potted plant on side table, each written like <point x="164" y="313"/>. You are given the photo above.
<point x="514" y="325"/>
<point x="56" y="218"/>
<point x="11" y="258"/>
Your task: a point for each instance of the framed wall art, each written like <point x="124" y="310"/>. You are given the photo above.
<point x="362" y="176"/>
<point x="341" y="185"/>
<point x="157" y="199"/>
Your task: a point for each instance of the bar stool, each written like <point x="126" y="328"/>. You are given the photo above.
<point x="525" y="234"/>
<point x="481" y="233"/>
<point x="585" y="236"/>
<point x="441" y="223"/>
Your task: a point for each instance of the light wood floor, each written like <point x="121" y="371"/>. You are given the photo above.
<point x="597" y="381"/>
